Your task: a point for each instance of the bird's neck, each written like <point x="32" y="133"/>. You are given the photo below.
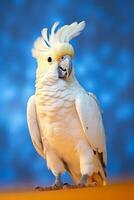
<point x="51" y="82"/>
<point x="53" y="95"/>
<point x="51" y="86"/>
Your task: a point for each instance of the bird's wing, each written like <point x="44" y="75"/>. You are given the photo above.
<point x="91" y="120"/>
<point x="33" y="126"/>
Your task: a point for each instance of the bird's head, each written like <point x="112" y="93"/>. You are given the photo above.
<point x="56" y="53"/>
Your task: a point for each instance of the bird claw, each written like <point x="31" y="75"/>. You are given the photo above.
<point x="38" y="188"/>
<point x="82" y="185"/>
<point x="92" y="184"/>
<point x="67" y="186"/>
<point x="53" y="187"/>
<point x="57" y="186"/>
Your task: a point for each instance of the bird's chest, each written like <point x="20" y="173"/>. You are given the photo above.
<point x="54" y="108"/>
<point x="63" y="133"/>
<point x="58" y="120"/>
<point x="54" y="104"/>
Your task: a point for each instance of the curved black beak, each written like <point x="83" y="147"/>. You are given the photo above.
<point x="65" y="67"/>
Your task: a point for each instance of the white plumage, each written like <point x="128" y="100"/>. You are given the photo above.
<point x="64" y="120"/>
<point x="63" y="35"/>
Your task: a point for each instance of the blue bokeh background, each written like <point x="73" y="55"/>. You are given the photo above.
<point x="104" y="65"/>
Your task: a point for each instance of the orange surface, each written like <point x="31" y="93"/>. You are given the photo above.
<point x="111" y="192"/>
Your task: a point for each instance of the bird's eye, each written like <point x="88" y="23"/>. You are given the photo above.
<point x="49" y="59"/>
<point x="62" y="57"/>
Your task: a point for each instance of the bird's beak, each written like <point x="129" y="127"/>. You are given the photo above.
<point x="65" y="67"/>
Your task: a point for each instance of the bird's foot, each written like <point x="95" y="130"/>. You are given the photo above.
<point x="67" y="186"/>
<point x="39" y="188"/>
<point x="56" y="186"/>
<point x="53" y="187"/>
<point x="84" y="180"/>
<point x="92" y="184"/>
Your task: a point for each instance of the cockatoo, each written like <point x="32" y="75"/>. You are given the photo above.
<point x="64" y="120"/>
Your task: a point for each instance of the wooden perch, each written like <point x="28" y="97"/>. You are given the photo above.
<point x="110" y="192"/>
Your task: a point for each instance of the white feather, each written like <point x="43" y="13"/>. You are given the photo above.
<point x="63" y="35"/>
<point x="91" y="120"/>
<point x="40" y="47"/>
<point x="52" y="35"/>
<point x="33" y="126"/>
<point x="75" y="31"/>
<point x="44" y="35"/>
<point x="59" y="34"/>
<point x="40" y="44"/>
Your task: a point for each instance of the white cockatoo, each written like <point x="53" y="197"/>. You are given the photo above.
<point x="64" y="120"/>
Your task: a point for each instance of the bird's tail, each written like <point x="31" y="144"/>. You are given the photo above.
<point x="102" y="170"/>
<point x="98" y="177"/>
